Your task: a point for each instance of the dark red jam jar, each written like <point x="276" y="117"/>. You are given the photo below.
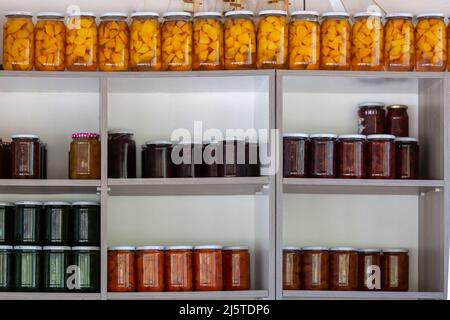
<point x="188" y="158"/>
<point x="295" y="155"/>
<point x="352" y="156"/>
<point x="372" y="117"/>
<point x="395" y="270"/>
<point x="369" y="269"/>
<point x="397" y="120"/>
<point x="323" y="155"/>
<point x="252" y="161"/>
<point x="156" y="160"/>
<point x="380" y="156"/>
<point x="121" y="154"/>
<point x="234" y="157"/>
<point x="5" y="160"/>
<point x="212" y="159"/>
<point x="407" y="158"/>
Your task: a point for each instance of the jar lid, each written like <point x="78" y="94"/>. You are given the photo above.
<point x="239" y="13"/>
<point x="179" y="248"/>
<point x="18" y="13"/>
<point x="315" y="248"/>
<point x="6" y="204"/>
<point x="76" y="135"/>
<point x="24" y="136"/>
<point x="144" y="14"/>
<point x="6" y="247"/>
<point x="85" y="203"/>
<point x="28" y="203"/>
<point x="185" y="143"/>
<point x="399" y="15"/>
<point x="367" y="14"/>
<point x="158" y="142"/>
<point x="292" y="248"/>
<point x="395" y="250"/>
<point x="120" y="131"/>
<point x="352" y="136"/>
<point x="397" y="106"/>
<point x="27" y="248"/>
<point x="56" y="248"/>
<point x="151" y="248"/>
<point x="342" y="249"/>
<point x="305" y="13"/>
<point x="119" y="15"/>
<point x="208" y="14"/>
<point x="57" y="203"/>
<point x="296" y="135"/>
<point x="50" y="14"/>
<point x="85" y="248"/>
<point x="323" y="135"/>
<point x="369" y="250"/>
<point x="235" y="139"/>
<point x="431" y="15"/>
<point x="208" y="247"/>
<point x="183" y="14"/>
<point x="122" y="248"/>
<point x="82" y="14"/>
<point x="406" y="139"/>
<point x="381" y="136"/>
<point x="371" y="104"/>
<point x="272" y="12"/>
<point x="335" y="14"/>
<point x="236" y="248"/>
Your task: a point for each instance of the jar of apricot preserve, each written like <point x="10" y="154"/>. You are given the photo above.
<point x="380" y="156"/>
<point x="121" y="154"/>
<point x="150" y="269"/>
<point x="121" y="269"/>
<point x="343" y="269"/>
<point x="351" y="156"/>
<point x="314" y="266"/>
<point x="395" y="270"/>
<point x="156" y="160"/>
<point x="291" y="268"/>
<point x="323" y="155"/>
<point x="369" y="269"/>
<point x="208" y="268"/>
<point x="406" y="158"/>
<point x="179" y="270"/>
<point x="397" y="120"/>
<point x="295" y="155"/>
<point x="84" y="156"/>
<point x="371" y="118"/>
<point x="236" y="268"/>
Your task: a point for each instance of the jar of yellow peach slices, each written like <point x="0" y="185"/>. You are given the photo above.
<point x="113" y="42"/>
<point x="304" y="41"/>
<point x="18" y="41"/>
<point x="177" y="41"/>
<point x="399" y="42"/>
<point x="145" y="43"/>
<point x="208" y="41"/>
<point x="50" y="42"/>
<point x="273" y="36"/>
<point x="335" y="49"/>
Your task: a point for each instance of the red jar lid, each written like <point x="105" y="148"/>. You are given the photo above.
<point x="85" y="135"/>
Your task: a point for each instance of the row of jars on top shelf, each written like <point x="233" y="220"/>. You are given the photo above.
<point x="207" y="44"/>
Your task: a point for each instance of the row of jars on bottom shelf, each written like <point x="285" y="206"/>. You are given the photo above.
<point x="345" y="268"/>
<point x="178" y="268"/>
<point x="49" y="269"/>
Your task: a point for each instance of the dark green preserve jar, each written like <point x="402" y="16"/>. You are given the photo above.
<point x="6" y="268"/>
<point x="86" y="223"/>
<point x="87" y="261"/>
<point x="6" y="223"/>
<point x="27" y="268"/>
<point x="56" y="260"/>
<point x="27" y="223"/>
<point x="56" y="216"/>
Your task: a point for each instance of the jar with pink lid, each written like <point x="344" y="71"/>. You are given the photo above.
<point x="84" y="156"/>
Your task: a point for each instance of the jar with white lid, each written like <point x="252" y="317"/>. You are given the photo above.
<point x="50" y="42"/>
<point x="27" y="223"/>
<point x="304" y="40"/>
<point x="380" y="156"/>
<point x="145" y="42"/>
<point x="335" y="34"/>
<point x="121" y="269"/>
<point x="315" y="268"/>
<point x="351" y="156"/>
<point x="114" y="42"/>
<point x="150" y="268"/>
<point x="179" y="268"/>
<point x="208" y="41"/>
<point x="26" y="156"/>
<point x="296" y="155"/>
<point x="323" y="155"/>
<point x="27" y="268"/>
<point x="177" y="37"/>
<point x="6" y="223"/>
<point x="208" y="268"/>
<point x="273" y="38"/>
<point x="399" y="52"/>
<point x="18" y="41"/>
<point x="431" y="42"/>
<point x="395" y="269"/>
<point x="236" y="268"/>
<point x="343" y="269"/>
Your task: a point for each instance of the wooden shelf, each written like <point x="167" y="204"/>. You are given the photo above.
<point x="209" y="295"/>
<point x="52" y="186"/>
<point x="307" y="294"/>
<point x="48" y="296"/>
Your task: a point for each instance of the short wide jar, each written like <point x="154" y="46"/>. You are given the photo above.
<point x="121" y="269"/>
<point x="395" y="270"/>
<point x="315" y="268"/>
<point x="157" y="160"/>
<point x="84" y="156"/>
<point x="323" y="155"/>
<point x="114" y="42"/>
<point x="369" y="269"/>
<point x="343" y="269"/>
<point x="208" y="268"/>
<point x="150" y="268"/>
<point x="380" y="156"/>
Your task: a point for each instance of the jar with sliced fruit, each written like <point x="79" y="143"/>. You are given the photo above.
<point x="304" y="41"/>
<point x="208" y="41"/>
<point x="50" y="42"/>
<point x="335" y="49"/>
<point x="145" y="43"/>
<point x="18" y="41"/>
<point x="399" y="42"/>
<point x="114" y="40"/>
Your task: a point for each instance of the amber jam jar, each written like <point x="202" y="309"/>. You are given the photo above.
<point x="397" y="120"/>
<point x="323" y="155"/>
<point x="190" y="159"/>
<point x="26" y="156"/>
<point x="369" y="269"/>
<point x="121" y="154"/>
<point x="121" y="269"/>
<point x="208" y="268"/>
<point x="212" y="159"/>
<point x="380" y="156"/>
<point x="352" y="156"/>
<point x="156" y="160"/>
<point x="84" y="156"/>
<point x="291" y="268"/>
<point x="314" y="266"/>
<point x="372" y="118"/>
<point x="406" y="158"/>
<point x="236" y="268"/>
<point x="179" y="270"/>
<point x="343" y="268"/>
<point x="296" y="155"/>
<point x="150" y="268"/>
<point x="395" y="270"/>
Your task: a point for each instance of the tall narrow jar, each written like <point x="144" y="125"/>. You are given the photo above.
<point x="304" y="41"/>
<point x="208" y="41"/>
<point x="145" y="43"/>
<point x="399" y="52"/>
<point x="114" y="42"/>
<point x="18" y="41"/>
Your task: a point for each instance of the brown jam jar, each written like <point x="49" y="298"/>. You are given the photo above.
<point x="236" y="268"/>
<point x="121" y="154"/>
<point x="189" y="162"/>
<point x="397" y="120"/>
<point x="26" y="157"/>
<point x="156" y="160"/>
<point x="179" y="270"/>
<point x="5" y="160"/>
<point x="407" y="158"/>
<point x="296" y="155"/>
<point x="352" y="156"/>
<point x="372" y="118"/>
<point x="395" y="270"/>
<point x="380" y="156"/>
<point x="150" y="269"/>
<point x="84" y="156"/>
<point x="44" y="158"/>
<point x="291" y="268"/>
<point x="208" y="268"/>
<point x="252" y="161"/>
<point x="234" y="157"/>
<point x="323" y="155"/>
<point x="314" y="266"/>
<point x="343" y="269"/>
<point x="369" y="269"/>
<point x="121" y="269"/>
<point x="212" y="159"/>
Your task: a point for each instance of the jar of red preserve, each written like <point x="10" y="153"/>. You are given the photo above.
<point x="208" y="268"/>
<point x="369" y="269"/>
<point x="380" y="156"/>
<point x="150" y="268"/>
<point x="295" y="155"/>
<point x="236" y="268"/>
<point x="352" y="156"/>
<point x="397" y="120"/>
<point x="372" y="117"/>
<point x="323" y="155"/>
<point x="179" y="270"/>
<point x="291" y="268"/>
<point x="315" y="268"/>
<point x="121" y="269"/>
<point x="407" y="158"/>
<point x="343" y="269"/>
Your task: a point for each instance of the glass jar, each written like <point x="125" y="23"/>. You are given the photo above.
<point x="27" y="222"/>
<point x="351" y="156"/>
<point x="407" y="158"/>
<point x="234" y="157"/>
<point x="240" y="40"/>
<point x="56" y="261"/>
<point x="56" y="218"/>
<point x="323" y="155"/>
<point x="150" y="269"/>
<point x="145" y="43"/>
<point x="397" y="120"/>
<point x="81" y="42"/>
<point x="431" y="42"/>
<point x="6" y="265"/>
<point x="273" y="38"/>
<point x="44" y="157"/>
<point x="314" y="266"/>
<point x="189" y="162"/>
<point x="208" y="41"/>
<point x="18" y="41"/>
<point x="395" y="270"/>
<point x="369" y="269"/>
<point x="6" y="223"/>
<point x="26" y="156"/>
<point x="372" y="118"/>
<point x="343" y="269"/>
<point x="5" y="160"/>
<point x="86" y="223"/>
<point x="367" y="42"/>
<point x="121" y="154"/>
<point x="179" y="270"/>
<point x="236" y="268"/>
<point x="157" y="160"/>
<point x="399" y="42"/>
<point x="177" y="42"/>
<point x="292" y="268"/>
<point x="113" y="42"/>
<point x="380" y="156"/>
<point x="208" y="268"/>
<point x="304" y="41"/>
<point x="84" y="156"/>
<point x="296" y="155"/>
<point x="121" y="269"/>
<point x="27" y="268"/>
<point x="252" y="162"/>
<point x="50" y="42"/>
<point x="212" y="159"/>
<point x="335" y="34"/>
<point x="87" y="261"/>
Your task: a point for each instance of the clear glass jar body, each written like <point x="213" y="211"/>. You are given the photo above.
<point x="371" y="118"/>
<point x="296" y="156"/>
<point x="177" y="37"/>
<point x="156" y="160"/>
<point x="145" y="43"/>
<point x="315" y="269"/>
<point x="380" y="157"/>
<point x="50" y="43"/>
<point x="431" y="43"/>
<point x="179" y="269"/>
<point x="369" y="269"/>
<point x="351" y="157"/>
<point x="323" y="155"/>
<point x="121" y="155"/>
<point x="273" y="39"/>
<point x="343" y="269"/>
<point x="27" y="268"/>
<point x="6" y="223"/>
<point x="18" y="42"/>
<point x="236" y="268"/>
<point x="150" y="269"/>
<point x="208" y="42"/>
<point x="240" y="41"/>
<point x="399" y="53"/>
<point x="291" y="268"/>
<point x="26" y="157"/>
<point x="335" y="50"/>
<point x="407" y="158"/>
<point x="121" y="269"/>
<point x="304" y="42"/>
<point x="208" y="268"/>
<point x="113" y="44"/>
<point x="367" y="43"/>
<point x="84" y="156"/>
<point x="395" y="270"/>
<point x="81" y="43"/>
<point x="397" y="121"/>
<point x="6" y="268"/>
<point x="87" y="259"/>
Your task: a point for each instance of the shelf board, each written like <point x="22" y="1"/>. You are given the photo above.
<point x="360" y="186"/>
<point x="361" y="295"/>
<point x="187" y="186"/>
<point x="207" y="295"/>
<point x="48" y="296"/>
<point x="49" y="186"/>
<point x="363" y="74"/>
